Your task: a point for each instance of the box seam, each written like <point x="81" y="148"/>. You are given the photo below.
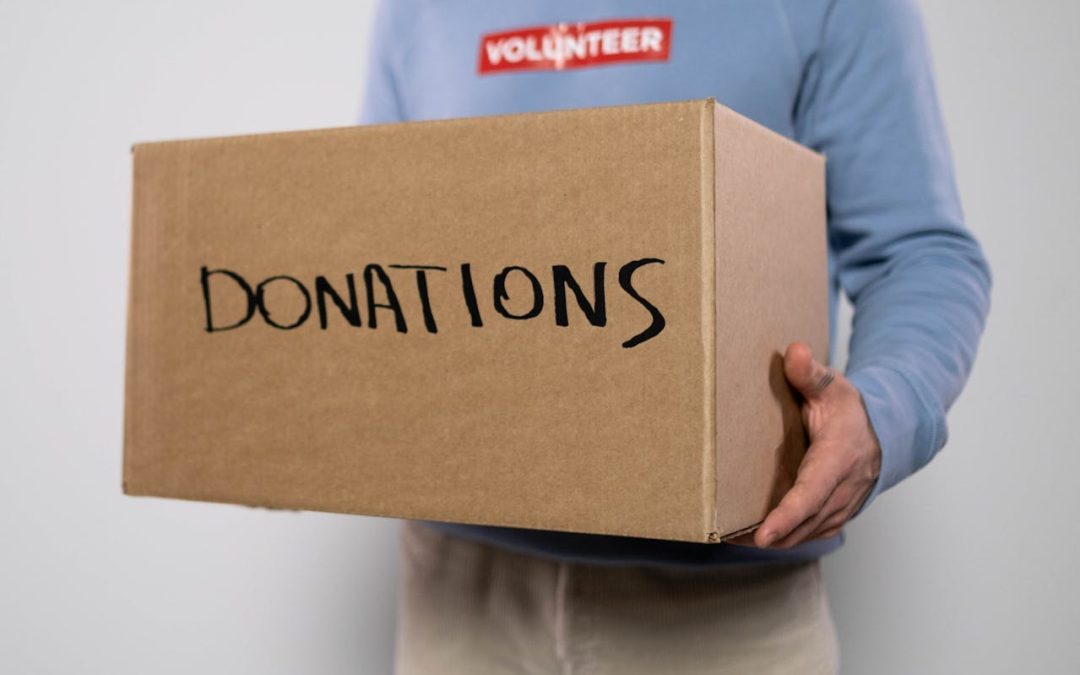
<point x="708" y="317"/>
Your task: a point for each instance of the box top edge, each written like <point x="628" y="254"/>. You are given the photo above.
<point x="731" y="115"/>
<point x="704" y="103"/>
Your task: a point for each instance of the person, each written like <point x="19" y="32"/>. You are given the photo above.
<point x="851" y="79"/>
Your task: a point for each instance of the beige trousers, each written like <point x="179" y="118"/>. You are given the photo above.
<point x="466" y="608"/>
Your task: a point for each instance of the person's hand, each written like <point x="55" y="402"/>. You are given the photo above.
<point x="840" y="466"/>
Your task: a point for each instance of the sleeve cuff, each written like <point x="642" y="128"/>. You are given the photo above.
<point x="907" y="428"/>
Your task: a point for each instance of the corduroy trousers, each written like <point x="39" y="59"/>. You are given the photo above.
<point x="469" y="608"/>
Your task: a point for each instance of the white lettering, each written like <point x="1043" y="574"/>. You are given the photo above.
<point x="550" y="47"/>
<point x="493" y="51"/>
<point x="651" y="37"/>
<point x="531" y="52"/>
<point x="610" y="43"/>
<point x="574" y="47"/>
<point x="514" y="49"/>
<point x="560" y="46"/>
<point x="594" y="43"/>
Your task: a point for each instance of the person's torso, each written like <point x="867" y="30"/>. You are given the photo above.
<point x="486" y="57"/>
<point x="742" y="52"/>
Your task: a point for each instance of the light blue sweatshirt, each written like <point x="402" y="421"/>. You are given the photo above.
<point x="849" y="78"/>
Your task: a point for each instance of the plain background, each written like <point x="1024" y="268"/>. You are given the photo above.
<point x="970" y="566"/>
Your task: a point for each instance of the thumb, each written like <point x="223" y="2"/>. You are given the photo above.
<point x="806" y="373"/>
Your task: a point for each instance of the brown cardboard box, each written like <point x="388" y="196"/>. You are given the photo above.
<point x="569" y="320"/>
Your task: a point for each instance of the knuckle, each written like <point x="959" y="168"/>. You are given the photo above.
<point x="869" y="475"/>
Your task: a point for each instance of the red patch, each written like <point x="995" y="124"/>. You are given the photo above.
<point x="565" y="46"/>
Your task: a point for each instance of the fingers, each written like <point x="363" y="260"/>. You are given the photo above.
<point x="830" y="533"/>
<point x="833" y="514"/>
<point x="840" y="507"/>
<point x="818" y="478"/>
<point x="831" y="480"/>
<point x="805" y="373"/>
<point x="746" y="539"/>
<point x="832" y="526"/>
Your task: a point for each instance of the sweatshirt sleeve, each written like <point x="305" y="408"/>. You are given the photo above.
<point x="381" y="98"/>
<point x="917" y="278"/>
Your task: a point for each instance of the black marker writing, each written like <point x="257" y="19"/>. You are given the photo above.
<point x="380" y="293"/>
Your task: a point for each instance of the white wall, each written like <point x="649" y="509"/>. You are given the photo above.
<point x="968" y="567"/>
<point x="92" y="581"/>
<point x="971" y="566"/>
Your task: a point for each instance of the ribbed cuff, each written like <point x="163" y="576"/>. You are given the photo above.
<point x="906" y="426"/>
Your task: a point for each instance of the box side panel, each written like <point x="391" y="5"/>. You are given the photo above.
<point x="158" y="200"/>
<point x="481" y="389"/>
<point x="771" y="290"/>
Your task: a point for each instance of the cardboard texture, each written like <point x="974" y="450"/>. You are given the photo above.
<point x="569" y="320"/>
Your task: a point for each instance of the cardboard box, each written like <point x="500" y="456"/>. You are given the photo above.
<point x="570" y="320"/>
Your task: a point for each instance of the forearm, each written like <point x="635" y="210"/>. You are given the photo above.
<point x="915" y="333"/>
